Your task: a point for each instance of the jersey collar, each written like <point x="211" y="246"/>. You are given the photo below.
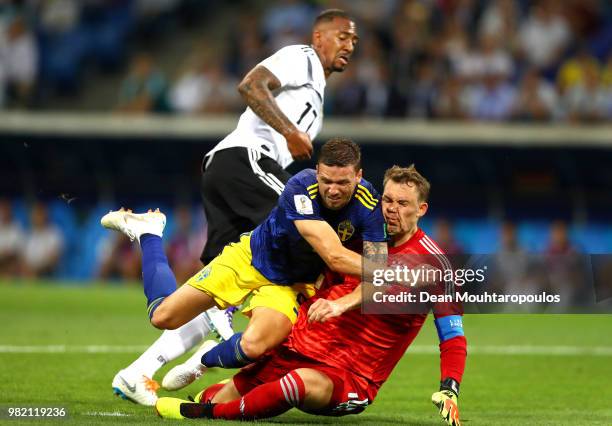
<point x="318" y="73"/>
<point x="411" y="241"/>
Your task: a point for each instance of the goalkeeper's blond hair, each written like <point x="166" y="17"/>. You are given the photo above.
<point x="409" y="174"/>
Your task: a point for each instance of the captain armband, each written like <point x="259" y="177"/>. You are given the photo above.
<point x="449" y="327"/>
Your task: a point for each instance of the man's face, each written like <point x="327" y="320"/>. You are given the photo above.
<point x="335" y="42"/>
<point x="401" y="207"/>
<point x="337" y="184"/>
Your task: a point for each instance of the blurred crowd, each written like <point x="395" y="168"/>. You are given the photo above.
<point x="32" y="253"/>
<point x="561" y="267"/>
<point x="454" y="60"/>
<point x="38" y="244"/>
<point x="521" y="258"/>
<point x="42" y="242"/>
<point x="540" y="60"/>
<point x="119" y="258"/>
<point x="54" y="47"/>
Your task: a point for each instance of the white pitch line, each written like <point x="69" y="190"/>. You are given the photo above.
<point x="106" y="414"/>
<point x="94" y="349"/>
<point x="415" y="349"/>
<point x="522" y="350"/>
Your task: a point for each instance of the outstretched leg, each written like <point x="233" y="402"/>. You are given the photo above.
<point x="168" y="308"/>
<point x="305" y="388"/>
<point x="136" y="383"/>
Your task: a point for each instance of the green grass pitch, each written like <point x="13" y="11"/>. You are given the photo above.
<point x="539" y="369"/>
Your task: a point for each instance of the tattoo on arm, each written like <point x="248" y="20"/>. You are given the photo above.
<point x="374" y="257"/>
<point x="375" y="251"/>
<point x="256" y="89"/>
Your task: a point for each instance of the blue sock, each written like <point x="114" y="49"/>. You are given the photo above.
<point x="159" y="281"/>
<point x="227" y="354"/>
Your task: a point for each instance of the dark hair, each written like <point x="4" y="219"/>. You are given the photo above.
<point x="329" y="15"/>
<point x="340" y="152"/>
<point x="408" y="175"/>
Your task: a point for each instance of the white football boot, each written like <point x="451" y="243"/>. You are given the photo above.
<point x="134" y="225"/>
<point x="189" y="371"/>
<point x="135" y="387"/>
<point x="221" y="322"/>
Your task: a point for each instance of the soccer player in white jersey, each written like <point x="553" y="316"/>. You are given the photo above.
<point x="245" y="173"/>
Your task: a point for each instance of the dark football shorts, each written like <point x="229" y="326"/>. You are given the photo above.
<point x="240" y="186"/>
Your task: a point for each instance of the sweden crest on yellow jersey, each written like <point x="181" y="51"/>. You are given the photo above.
<point x="203" y="274"/>
<point x="345" y="230"/>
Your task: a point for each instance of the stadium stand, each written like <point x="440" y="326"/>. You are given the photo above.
<point x="470" y="62"/>
<point x="508" y="60"/>
<point x="90" y="166"/>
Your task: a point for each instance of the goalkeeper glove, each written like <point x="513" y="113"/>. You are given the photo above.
<point x="446" y="401"/>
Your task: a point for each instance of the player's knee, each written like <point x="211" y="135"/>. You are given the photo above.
<point x="226" y="394"/>
<point x="316" y="383"/>
<point x="163" y="319"/>
<point x="318" y="388"/>
<point x="252" y="347"/>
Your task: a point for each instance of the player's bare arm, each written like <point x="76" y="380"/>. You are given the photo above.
<point x="374" y="254"/>
<point x="323" y="309"/>
<point x="338" y="258"/>
<point x="374" y="257"/>
<point x="256" y="89"/>
<point x="326" y="243"/>
<point x="324" y="240"/>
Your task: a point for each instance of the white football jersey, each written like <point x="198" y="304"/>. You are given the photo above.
<point x="300" y="98"/>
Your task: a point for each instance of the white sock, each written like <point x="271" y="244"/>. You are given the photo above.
<point x="171" y="345"/>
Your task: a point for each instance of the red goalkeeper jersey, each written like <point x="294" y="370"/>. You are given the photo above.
<point x="371" y="345"/>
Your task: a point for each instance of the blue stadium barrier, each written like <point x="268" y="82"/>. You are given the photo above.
<point x="533" y="235"/>
<point x="86" y="261"/>
<point x="21" y="213"/>
<point x="476" y="236"/>
<point x="83" y="238"/>
<point x="63" y="216"/>
<point x="593" y="238"/>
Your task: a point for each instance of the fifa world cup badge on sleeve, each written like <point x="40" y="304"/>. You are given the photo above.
<point x="303" y="204"/>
